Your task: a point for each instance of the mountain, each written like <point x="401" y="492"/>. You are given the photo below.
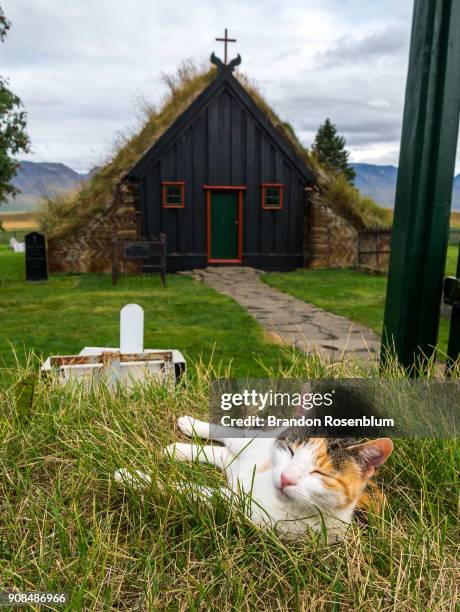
<point x="35" y="180"/>
<point x="379" y="182"/>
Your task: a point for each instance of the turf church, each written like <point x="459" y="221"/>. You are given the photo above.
<point x="224" y="183"/>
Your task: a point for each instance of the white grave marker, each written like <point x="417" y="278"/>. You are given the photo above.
<point x="127" y="364"/>
<point x="17" y="247"/>
<point x="132" y="329"/>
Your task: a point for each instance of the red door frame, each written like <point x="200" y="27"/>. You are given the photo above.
<point x="240" y="189"/>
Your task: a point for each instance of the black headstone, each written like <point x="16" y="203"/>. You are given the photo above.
<point x="36" y="263"/>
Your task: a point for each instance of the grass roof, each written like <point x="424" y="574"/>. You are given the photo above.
<point x="363" y="212"/>
<point x="66" y="212"/>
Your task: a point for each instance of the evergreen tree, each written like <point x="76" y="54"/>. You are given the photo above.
<point x="13" y="136"/>
<point x="329" y="148"/>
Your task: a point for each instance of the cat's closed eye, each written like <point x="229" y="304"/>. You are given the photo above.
<point x="321" y="473"/>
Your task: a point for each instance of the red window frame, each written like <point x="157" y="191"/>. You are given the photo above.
<point x="280" y="187"/>
<point x="164" y="193"/>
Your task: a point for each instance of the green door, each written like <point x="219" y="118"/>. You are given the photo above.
<point x="223" y="226"/>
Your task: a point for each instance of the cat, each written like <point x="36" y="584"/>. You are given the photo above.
<point x="292" y="483"/>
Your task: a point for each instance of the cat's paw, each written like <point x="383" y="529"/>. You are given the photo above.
<point x="179" y="452"/>
<point x="135" y="480"/>
<point x="193" y="427"/>
<point x="186" y="425"/>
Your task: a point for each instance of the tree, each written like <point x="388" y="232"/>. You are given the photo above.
<point x="13" y="136"/>
<point x="329" y="148"/>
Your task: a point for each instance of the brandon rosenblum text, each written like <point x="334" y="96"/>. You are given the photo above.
<point x="303" y="421"/>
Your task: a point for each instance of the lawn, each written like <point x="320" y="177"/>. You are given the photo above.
<point x="68" y="312"/>
<point x="353" y="294"/>
<point x="66" y="526"/>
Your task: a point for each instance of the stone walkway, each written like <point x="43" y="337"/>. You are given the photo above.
<point x="289" y="320"/>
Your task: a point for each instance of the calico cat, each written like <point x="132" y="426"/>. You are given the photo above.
<point x="292" y="483"/>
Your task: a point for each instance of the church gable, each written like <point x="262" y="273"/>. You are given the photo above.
<point x="226" y="93"/>
<point x="224" y="143"/>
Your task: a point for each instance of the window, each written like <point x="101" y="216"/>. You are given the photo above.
<point x="272" y="196"/>
<point x="173" y="194"/>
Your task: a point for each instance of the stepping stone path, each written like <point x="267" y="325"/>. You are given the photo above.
<point x="289" y="320"/>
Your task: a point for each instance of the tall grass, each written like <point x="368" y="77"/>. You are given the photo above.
<point x="362" y="211"/>
<point x="58" y="210"/>
<point x="59" y="214"/>
<point x="65" y="526"/>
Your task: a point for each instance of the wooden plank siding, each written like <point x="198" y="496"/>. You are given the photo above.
<point x="227" y="141"/>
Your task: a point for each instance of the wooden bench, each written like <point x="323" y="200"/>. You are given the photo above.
<point x="150" y="255"/>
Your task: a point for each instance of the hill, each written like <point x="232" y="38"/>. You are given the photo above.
<point x="379" y="183"/>
<point x="37" y="179"/>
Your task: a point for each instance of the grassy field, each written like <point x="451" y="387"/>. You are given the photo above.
<point x="17" y="225"/>
<point x="18" y="221"/>
<point x="455" y="219"/>
<point x="68" y="312"/>
<point x="67" y="527"/>
<point x="353" y="294"/>
<point x="72" y="311"/>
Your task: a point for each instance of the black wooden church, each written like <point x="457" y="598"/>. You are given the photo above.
<point x="223" y="184"/>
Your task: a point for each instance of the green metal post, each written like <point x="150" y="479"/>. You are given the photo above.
<point x="424" y="187"/>
<point x="453" y="348"/>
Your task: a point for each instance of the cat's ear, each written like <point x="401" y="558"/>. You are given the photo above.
<point x="305" y="398"/>
<point x="306" y="392"/>
<point x="373" y="454"/>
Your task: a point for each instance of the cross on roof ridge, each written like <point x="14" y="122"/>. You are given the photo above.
<point x="226" y="40"/>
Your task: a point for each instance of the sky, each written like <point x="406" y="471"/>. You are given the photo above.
<point x="82" y="68"/>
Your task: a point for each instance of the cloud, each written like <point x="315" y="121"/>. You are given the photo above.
<point x="79" y="66"/>
<point x="387" y="44"/>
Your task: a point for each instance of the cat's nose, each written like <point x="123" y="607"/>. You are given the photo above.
<point x="287" y="481"/>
